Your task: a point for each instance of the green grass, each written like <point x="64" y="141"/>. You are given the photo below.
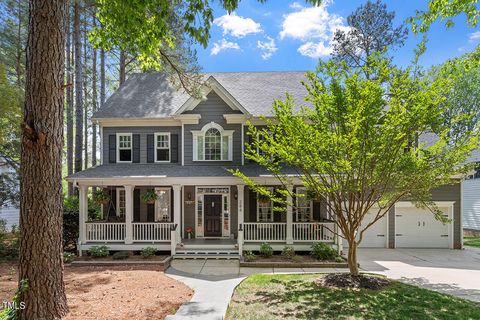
<point x="472" y="241"/>
<point x="299" y="297"/>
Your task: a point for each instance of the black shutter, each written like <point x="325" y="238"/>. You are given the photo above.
<point x="253" y="206"/>
<point x="150" y="148"/>
<point x="136" y="205"/>
<point x="112" y="148"/>
<point x="136" y="148"/>
<point x="249" y="141"/>
<point x="150" y="212"/>
<point x="174" y="148"/>
<point x="316" y="211"/>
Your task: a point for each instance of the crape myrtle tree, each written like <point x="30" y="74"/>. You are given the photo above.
<point x="143" y="28"/>
<point x="355" y="143"/>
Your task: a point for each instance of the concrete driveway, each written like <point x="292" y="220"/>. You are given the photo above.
<point x="456" y="272"/>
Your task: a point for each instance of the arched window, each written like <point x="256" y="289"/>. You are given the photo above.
<point x="212" y="143"/>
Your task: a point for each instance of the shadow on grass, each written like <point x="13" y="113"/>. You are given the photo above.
<point x="302" y="298"/>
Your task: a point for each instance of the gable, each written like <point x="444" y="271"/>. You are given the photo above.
<point x="213" y="104"/>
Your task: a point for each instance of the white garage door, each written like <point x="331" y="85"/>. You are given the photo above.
<point x="418" y="228"/>
<point x="376" y="234"/>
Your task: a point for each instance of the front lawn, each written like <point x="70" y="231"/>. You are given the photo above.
<point x="472" y="241"/>
<point x="300" y="297"/>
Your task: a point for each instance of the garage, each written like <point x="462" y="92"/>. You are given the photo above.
<point x="418" y="228"/>
<point x="376" y="234"/>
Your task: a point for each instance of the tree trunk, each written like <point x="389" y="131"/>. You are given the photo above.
<point x="122" y="66"/>
<point x="41" y="213"/>
<point x="352" y="257"/>
<point x="78" y="88"/>
<point x="94" y="98"/>
<point x="69" y="103"/>
<point x="85" y="93"/>
<point x="102" y="77"/>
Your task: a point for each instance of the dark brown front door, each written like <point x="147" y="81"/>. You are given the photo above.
<point x="213" y="215"/>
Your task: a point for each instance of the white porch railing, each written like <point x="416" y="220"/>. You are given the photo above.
<point x="264" y="231"/>
<point x="313" y="231"/>
<point x="105" y="231"/>
<point x="151" y="231"/>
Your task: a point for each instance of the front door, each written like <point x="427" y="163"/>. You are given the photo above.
<point x="213" y="215"/>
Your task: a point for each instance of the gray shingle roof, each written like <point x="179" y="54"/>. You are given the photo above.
<point x="122" y="170"/>
<point x="149" y="95"/>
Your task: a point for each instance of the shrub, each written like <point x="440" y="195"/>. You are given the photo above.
<point x="121" y="255"/>
<point x="249" y="256"/>
<point x="68" y="257"/>
<point x="323" y="251"/>
<point x="266" y="250"/>
<point x="148" y="252"/>
<point x="339" y="259"/>
<point x="9" y="242"/>
<point x="98" y="251"/>
<point x="288" y="252"/>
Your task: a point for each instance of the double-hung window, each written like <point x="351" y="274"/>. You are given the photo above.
<point x="304" y="206"/>
<point x="120" y="202"/>
<point x="264" y="209"/>
<point x="124" y="147"/>
<point x="162" y="147"/>
<point x="212" y="143"/>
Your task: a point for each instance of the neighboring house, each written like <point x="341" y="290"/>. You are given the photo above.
<point x="157" y="138"/>
<point x="471" y="198"/>
<point x="8" y="212"/>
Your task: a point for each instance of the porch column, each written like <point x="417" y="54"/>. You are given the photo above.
<point x="177" y="208"/>
<point x="128" y="214"/>
<point x="289" y="239"/>
<point x="83" y="213"/>
<point x="241" y="203"/>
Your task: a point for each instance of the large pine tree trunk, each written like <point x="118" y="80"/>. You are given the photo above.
<point x="69" y="93"/>
<point x="78" y="88"/>
<point x="94" y="98"/>
<point x="41" y="180"/>
<point x="102" y="77"/>
<point x="85" y="93"/>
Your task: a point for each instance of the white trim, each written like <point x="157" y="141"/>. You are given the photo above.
<point x="242" y="131"/>
<point x="183" y="145"/>
<point x="117" y="201"/>
<point x="156" y="134"/>
<point x="182" y="225"/>
<point x="203" y="211"/>
<point x="118" y="146"/>
<point x="212" y="84"/>
<point x="202" y="132"/>
<point x="169" y="121"/>
<point x="235" y="118"/>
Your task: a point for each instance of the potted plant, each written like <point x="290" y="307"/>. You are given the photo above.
<point x="150" y="197"/>
<point x="101" y="196"/>
<point x="189" y="231"/>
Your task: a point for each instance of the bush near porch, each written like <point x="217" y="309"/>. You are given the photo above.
<point x="472" y="241"/>
<point x="300" y="297"/>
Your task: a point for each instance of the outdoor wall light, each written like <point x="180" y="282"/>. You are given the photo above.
<point x="189" y="196"/>
<point x="235" y="195"/>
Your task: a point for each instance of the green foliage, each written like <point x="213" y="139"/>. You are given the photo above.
<point x="121" y="255"/>
<point x="288" y="252"/>
<point x="266" y="250"/>
<point x="149" y="196"/>
<point x="9" y="243"/>
<point x="68" y="257"/>
<point x="70" y="220"/>
<point x="148" y="252"/>
<point x="98" y="251"/>
<point x="100" y="196"/>
<point x="322" y="251"/>
<point x="11" y="313"/>
<point x="445" y="11"/>
<point x="249" y="256"/>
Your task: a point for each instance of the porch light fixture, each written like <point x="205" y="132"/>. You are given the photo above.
<point x="189" y="196"/>
<point x="235" y="195"/>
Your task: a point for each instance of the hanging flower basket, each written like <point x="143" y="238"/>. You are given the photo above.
<point x="312" y="196"/>
<point x="101" y="197"/>
<point x="150" y="197"/>
<point x="263" y="198"/>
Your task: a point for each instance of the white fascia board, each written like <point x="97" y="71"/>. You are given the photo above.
<point x="135" y="122"/>
<point x="409" y="204"/>
<point x="188" y="118"/>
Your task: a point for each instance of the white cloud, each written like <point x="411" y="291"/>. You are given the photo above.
<point x="474" y="36"/>
<point x="295" y="5"/>
<point x="223" y="45"/>
<point x="237" y="26"/>
<point x="268" y="48"/>
<point x="314" y="50"/>
<point x="314" y="26"/>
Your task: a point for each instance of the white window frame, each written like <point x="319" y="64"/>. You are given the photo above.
<point x="157" y="134"/>
<point x="303" y="191"/>
<point x="118" y="147"/>
<point x="223" y="133"/>
<point x="271" y="206"/>
<point x="117" y="202"/>
<point x="258" y="149"/>
<point x="157" y="204"/>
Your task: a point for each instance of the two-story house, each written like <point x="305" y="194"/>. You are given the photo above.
<point x="155" y="137"/>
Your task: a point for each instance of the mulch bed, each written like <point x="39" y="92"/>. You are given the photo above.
<point x="346" y="280"/>
<point x="301" y="261"/>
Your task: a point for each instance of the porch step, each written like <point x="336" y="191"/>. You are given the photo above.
<point x="206" y="254"/>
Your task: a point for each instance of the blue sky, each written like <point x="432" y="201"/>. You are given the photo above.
<point x="291" y="35"/>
